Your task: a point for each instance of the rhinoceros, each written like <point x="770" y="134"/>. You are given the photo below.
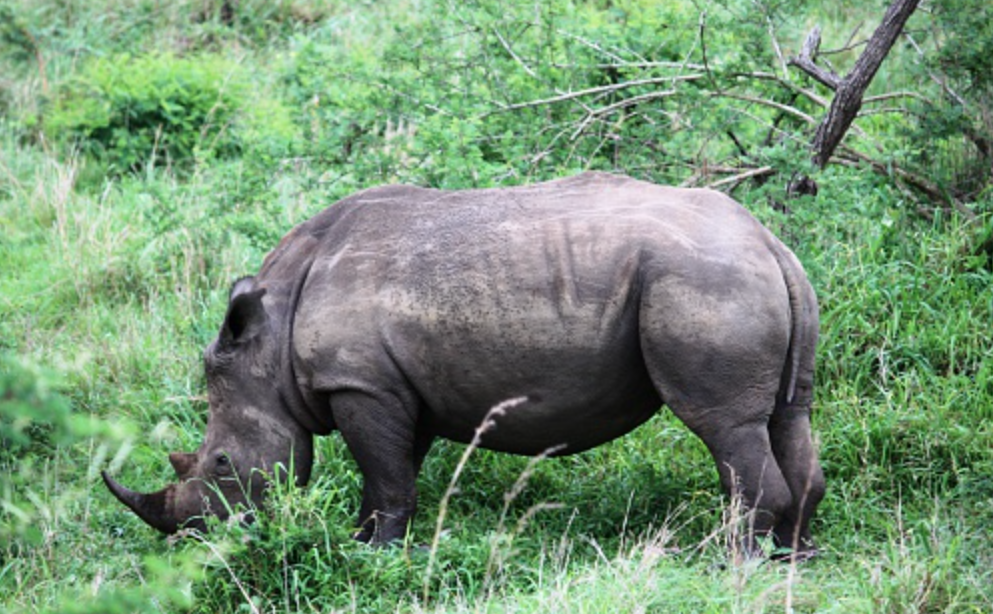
<point x="401" y="314"/>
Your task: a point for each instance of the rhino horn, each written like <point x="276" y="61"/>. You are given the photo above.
<point x="152" y="508"/>
<point x="183" y="463"/>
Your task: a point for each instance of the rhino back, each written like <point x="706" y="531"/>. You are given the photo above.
<point x="463" y="299"/>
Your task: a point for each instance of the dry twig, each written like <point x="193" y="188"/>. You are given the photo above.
<point x="595" y="91"/>
<point x="734" y="180"/>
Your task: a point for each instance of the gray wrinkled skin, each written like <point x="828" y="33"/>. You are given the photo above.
<point x="402" y="314"/>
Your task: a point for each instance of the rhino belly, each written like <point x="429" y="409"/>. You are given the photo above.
<point x="573" y="399"/>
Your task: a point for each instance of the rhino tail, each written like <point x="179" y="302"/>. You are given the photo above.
<point x="803" y="321"/>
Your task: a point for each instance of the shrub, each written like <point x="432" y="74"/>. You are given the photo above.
<point x="29" y="408"/>
<point x="156" y="109"/>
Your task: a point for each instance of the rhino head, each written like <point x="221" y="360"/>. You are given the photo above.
<point x="251" y="433"/>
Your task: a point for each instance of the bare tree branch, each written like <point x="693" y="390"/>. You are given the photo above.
<point x="769" y="103"/>
<point x="806" y="61"/>
<point x="885" y="110"/>
<point x="737" y="175"/>
<point x="703" y="50"/>
<point x="787" y="84"/>
<point x="632" y="101"/>
<point x="941" y="82"/>
<point x="742" y="150"/>
<point x="849" y="45"/>
<point x="640" y="65"/>
<point x="891" y="95"/>
<point x="520" y="62"/>
<point x="510" y="51"/>
<point x="593" y="45"/>
<point x="620" y="104"/>
<point x="604" y="89"/>
<point x="776" y="47"/>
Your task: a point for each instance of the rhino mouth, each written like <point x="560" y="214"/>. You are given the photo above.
<point x="156" y="509"/>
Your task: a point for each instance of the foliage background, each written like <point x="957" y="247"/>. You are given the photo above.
<point x="152" y="152"/>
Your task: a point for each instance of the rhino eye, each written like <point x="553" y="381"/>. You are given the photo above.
<point x="222" y="464"/>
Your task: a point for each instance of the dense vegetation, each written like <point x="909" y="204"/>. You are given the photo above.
<point x="151" y="153"/>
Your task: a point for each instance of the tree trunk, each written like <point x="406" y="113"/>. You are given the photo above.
<point x="848" y="96"/>
<point x="848" y="90"/>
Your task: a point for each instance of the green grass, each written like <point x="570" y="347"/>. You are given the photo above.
<point x="112" y="282"/>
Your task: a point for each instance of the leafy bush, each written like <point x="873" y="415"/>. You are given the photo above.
<point x="35" y="418"/>
<point x="949" y="132"/>
<point x="475" y="95"/>
<point x="31" y="409"/>
<point x="155" y="109"/>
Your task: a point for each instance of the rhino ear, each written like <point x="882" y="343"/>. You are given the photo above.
<point x="183" y="463"/>
<point x="246" y="317"/>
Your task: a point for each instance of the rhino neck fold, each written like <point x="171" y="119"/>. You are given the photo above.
<point x="303" y="408"/>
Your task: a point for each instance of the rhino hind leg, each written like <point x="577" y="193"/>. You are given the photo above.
<point x="794" y="447"/>
<point x="796" y="453"/>
<point x="763" y="450"/>
<point x="717" y="366"/>
<point x="755" y="466"/>
<point x="748" y="469"/>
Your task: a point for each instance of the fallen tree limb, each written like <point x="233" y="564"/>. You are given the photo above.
<point x="848" y="156"/>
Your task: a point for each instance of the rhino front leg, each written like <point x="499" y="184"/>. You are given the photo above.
<point x="381" y="434"/>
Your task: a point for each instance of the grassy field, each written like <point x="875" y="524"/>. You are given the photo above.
<point x="151" y="153"/>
